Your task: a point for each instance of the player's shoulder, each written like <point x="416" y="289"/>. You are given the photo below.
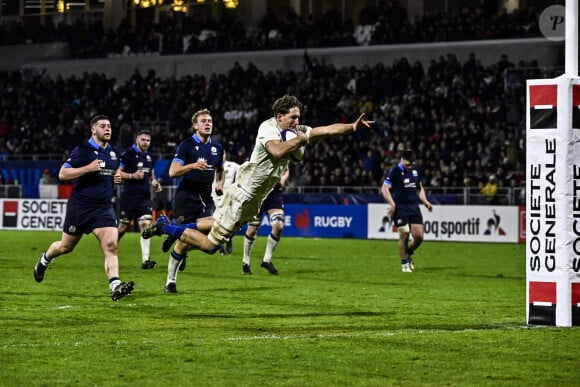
<point x="270" y="123"/>
<point x="128" y="152"/>
<point x="83" y="150"/>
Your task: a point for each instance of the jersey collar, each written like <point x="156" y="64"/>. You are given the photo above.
<point x="95" y="145"/>
<point x="197" y="139"/>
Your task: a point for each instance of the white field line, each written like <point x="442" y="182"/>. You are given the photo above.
<point x="348" y="335"/>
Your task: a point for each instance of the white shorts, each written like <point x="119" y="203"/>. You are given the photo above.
<point x="237" y="208"/>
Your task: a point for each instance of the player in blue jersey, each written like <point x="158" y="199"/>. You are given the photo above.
<point x="403" y="190"/>
<point x="256" y="177"/>
<point x="198" y="160"/>
<point x="136" y="205"/>
<point x="273" y="206"/>
<point x="94" y="168"/>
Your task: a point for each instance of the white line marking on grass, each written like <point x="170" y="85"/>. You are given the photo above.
<point x="274" y="337"/>
<point x="367" y="334"/>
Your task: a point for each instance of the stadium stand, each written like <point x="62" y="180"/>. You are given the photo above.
<point x="465" y="119"/>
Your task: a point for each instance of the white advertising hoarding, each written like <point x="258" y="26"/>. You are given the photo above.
<point x="453" y="223"/>
<point x="32" y="214"/>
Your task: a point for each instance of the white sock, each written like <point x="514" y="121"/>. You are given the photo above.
<point x="45" y="261"/>
<point x="270" y="247"/>
<point x="114" y="284"/>
<point x="145" y="248"/>
<point x="172" y="269"/>
<point x="248" y="246"/>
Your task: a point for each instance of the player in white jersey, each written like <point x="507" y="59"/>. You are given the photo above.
<point x="256" y="177"/>
<point x="230" y="172"/>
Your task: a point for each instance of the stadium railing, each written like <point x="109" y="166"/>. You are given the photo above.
<point x="10" y="191"/>
<point x="506" y="196"/>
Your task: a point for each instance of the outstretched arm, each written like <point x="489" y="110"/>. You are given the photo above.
<point x="321" y="132"/>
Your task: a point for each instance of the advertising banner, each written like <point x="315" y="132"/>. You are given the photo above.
<point x="553" y="202"/>
<point x="453" y="223"/>
<point x="322" y="221"/>
<point x="32" y="214"/>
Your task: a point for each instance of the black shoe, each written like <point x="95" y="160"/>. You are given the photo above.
<point x="270" y="267"/>
<point x="122" y="290"/>
<point x="39" y="270"/>
<point x="167" y="243"/>
<point x="148" y="265"/>
<point x="246" y="269"/>
<point x="171" y="287"/>
<point x="182" y="264"/>
<point x="155" y="228"/>
<point x="229" y="247"/>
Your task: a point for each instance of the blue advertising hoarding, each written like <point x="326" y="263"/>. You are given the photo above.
<point x="321" y="221"/>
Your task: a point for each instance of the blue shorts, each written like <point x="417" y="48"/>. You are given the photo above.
<point x="132" y="208"/>
<point x="407" y="214"/>
<point x="83" y="218"/>
<point x="274" y="200"/>
<point x="189" y="207"/>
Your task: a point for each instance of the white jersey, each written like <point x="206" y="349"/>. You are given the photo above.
<point x="230" y="170"/>
<point x="255" y="179"/>
<point x="260" y="174"/>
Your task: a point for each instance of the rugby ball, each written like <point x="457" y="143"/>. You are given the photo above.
<point x="298" y="154"/>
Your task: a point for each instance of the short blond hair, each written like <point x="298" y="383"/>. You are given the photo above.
<point x="196" y="115"/>
<point x="199" y="113"/>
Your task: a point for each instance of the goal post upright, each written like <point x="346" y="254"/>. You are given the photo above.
<point x="553" y="190"/>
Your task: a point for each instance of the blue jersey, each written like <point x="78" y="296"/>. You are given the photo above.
<point x="191" y="150"/>
<point x="96" y="187"/>
<point x="404" y="184"/>
<point x="133" y="160"/>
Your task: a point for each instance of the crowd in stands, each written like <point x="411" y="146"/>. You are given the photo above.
<point x="459" y="117"/>
<point x="385" y="23"/>
<point x="462" y="120"/>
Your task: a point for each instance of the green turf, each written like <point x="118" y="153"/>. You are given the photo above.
<point x="340" y="313"/>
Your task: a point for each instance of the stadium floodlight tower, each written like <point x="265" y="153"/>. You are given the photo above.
<point x="553" y="183"/>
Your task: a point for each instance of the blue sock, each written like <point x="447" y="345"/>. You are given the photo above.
<point x="405" y="261"/>
<point x="173" y="230"/>
<point x="179" y="257"/>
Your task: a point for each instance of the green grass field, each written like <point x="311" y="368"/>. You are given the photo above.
<point x="340" y="313"/>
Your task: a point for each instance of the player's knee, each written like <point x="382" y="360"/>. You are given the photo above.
<point x="218" y="235"/>
<point x="255" y="223"/>
<point x="403" y="229"/>
<point x="418" y="239"/>
<point x="124" y="223"/>
<point x="144" y="221"/>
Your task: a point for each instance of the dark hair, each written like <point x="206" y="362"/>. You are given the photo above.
<point x="97" y="118"/>
<point x="408" y="155"/>
<point x="283" y="104"/>
<point x="143" y="131"/>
